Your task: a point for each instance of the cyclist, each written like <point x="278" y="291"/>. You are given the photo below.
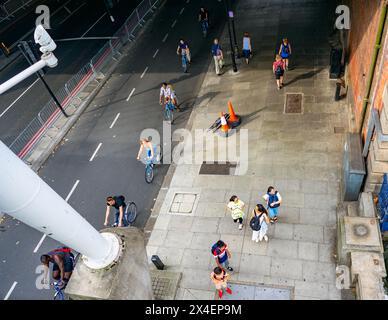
<point x="63" y="264"/>
<point x="147" y="145"/>
<point x="184" y="51"/>
<point x="173" y="97"/>
<point x="203" y="18"/>
<point x="118" y="202"/>
<point x="164" y="93"/>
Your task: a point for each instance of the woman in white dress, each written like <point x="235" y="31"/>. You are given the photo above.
<point x="261" y="214"/>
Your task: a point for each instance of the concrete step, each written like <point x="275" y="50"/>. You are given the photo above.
<point x="366" y="206"/>
<point x="352" y="209"/>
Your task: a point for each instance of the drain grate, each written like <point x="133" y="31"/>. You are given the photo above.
<point x="164" y="284"/>
<point x="293" y="103"/>
<point x="217" y="168"/>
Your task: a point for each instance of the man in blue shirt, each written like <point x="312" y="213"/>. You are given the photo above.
<point x="217" y="56"/>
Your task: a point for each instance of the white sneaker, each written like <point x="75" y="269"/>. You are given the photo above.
<point x="257" y="240"/>
<point x="240" y="227"/>
<point x="266" y="238"/>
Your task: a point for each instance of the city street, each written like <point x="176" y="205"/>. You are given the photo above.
<point x="98" y="156"/>
<point x="22" y="103"/>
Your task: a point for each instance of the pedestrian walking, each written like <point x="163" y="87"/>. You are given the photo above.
<point x="236" y="206"/>
<point x="220" y="279"/>
<point x="164" y="93"/>
<point x="247" y="47"/>
<point x="173" y="97"/>
<point x="278" y="69"/>
<point x="285" y="51"/>
<point x="184" y="51"/>
<point x="218" y="56"/>
<point x="221" y="255"/>
<point x="259" y="223"/>
<point x="273" y="200"/>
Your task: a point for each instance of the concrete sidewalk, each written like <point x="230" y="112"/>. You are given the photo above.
<point x="299" y="154"/>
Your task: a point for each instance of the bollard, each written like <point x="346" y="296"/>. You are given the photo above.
<point x="157" y="262"/>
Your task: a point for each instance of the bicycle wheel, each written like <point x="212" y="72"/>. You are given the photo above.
<point x="149" y="173"/>
<point x="131" y="212"/>
<point x="168" y="114"/>
<point x="59" y="295"/>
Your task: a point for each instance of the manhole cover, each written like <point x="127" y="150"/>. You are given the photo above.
<point x="183" y="203"/>
<point x="361" y="230"/>
<point x="217" y="168"/>
<point x="257" y="292"/>
<point x="293" y="103"/>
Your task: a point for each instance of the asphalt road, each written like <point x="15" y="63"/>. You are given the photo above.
<point x="114" y="168"/>
<point x="88" y="18"/>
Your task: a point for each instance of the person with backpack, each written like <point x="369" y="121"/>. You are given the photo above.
<point x="236" y="206"/>
<point x="259" y="223"/>
<point x="118" y="202"/>
<point x="221" y="254"/>
<point x="220" y="279"/>
<point x="278" y="69"/>
<point x="285" y="51"/>
<point x="273" y="200"/>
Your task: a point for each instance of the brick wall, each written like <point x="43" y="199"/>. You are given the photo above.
<point x="364" y="24"/>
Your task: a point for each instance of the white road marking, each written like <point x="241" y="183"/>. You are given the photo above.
<point x="130" y="95"/>
<point x="165" y="38"/>
<point x="156" y="52"/>
<point x="183" y="9"/>
<point x="114" y="121"/>
<point x="17" y="99"/>
<point x="67" y="199"/>
<point x="93" y="25"/>
<point x="95" y="152"/>
<point x="10" y="290"/>
<point x="39" y="243"/>
<point x="72" y="190"/>
<point x="72" y="13"/>
<point x="174" y="23"/>
<point x="144" y="72"/>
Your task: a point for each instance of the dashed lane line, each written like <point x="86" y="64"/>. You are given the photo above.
<point x="130" y="95"/>
<point x="156" y="52"/>
<point x="114" y="121"/>
<point x="165" y="38"/>
<point x="144" y="72"/>
<point x="183" y="9"/>
<point x="174" y="23"/>
<point x="10" y="290"/>
<point x="95" y="152"/>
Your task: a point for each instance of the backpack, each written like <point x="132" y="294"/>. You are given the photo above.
<point x="215" y="248"/>
<point x="286" y="49"/>
<point x="255" y="223"/>
<point x="122" y="198"/>
<point x="279" y="69"/>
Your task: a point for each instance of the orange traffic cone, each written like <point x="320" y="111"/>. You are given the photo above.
<point x="234" y="119"/>
<point x="224" y="130"/>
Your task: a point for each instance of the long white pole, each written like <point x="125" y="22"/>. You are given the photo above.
<point x="22" y="75"/>
<point x="26" y="197"/>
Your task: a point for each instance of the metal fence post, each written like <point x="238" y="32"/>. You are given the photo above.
<point x="138" y="18"/>
<point x="127" y="32"/>
<point x="67" y="89"/>
<point x="151" y="6"/>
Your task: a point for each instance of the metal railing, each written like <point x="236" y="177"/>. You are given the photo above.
<point x="25" y="142"/>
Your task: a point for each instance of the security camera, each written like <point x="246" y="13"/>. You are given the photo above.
<point x="43" y="38"/>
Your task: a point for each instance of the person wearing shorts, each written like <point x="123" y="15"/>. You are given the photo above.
<point x="273" y="200"/>
<point x="247" y="47"/>
<point x="278" y="69"/>
<point x="220" y="279"/>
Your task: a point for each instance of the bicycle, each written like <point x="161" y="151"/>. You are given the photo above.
<point x="169" y="111"/>
<point x="59" y="294"/>
<point x="130" y="213"/>
<point x="149" y="168"/>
